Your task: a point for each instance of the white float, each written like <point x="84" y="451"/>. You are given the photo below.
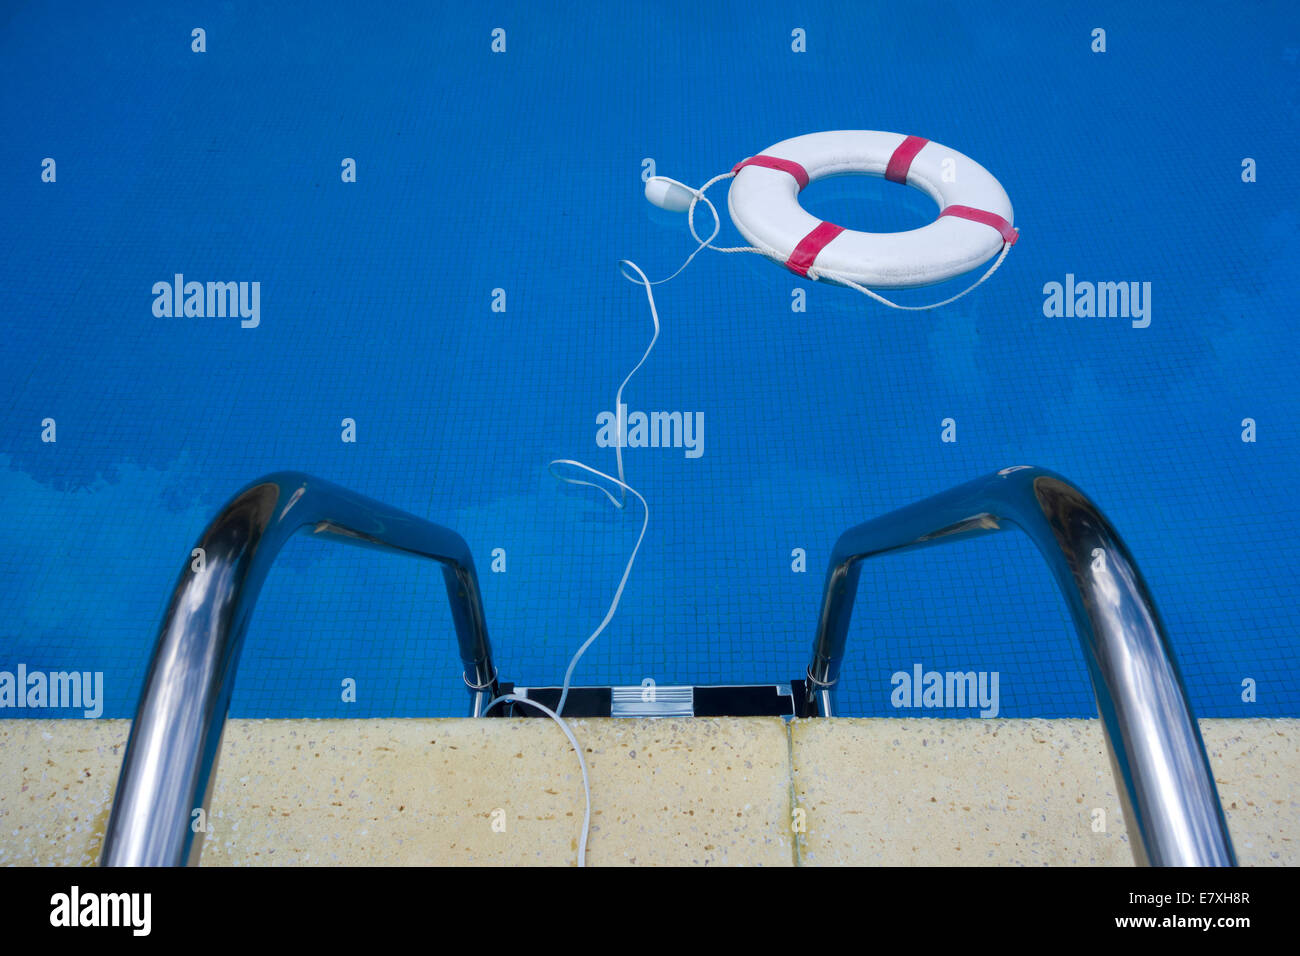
<point x="974" y="222"/>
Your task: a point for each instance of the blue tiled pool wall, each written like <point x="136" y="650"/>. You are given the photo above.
<point x="521" y="171"/>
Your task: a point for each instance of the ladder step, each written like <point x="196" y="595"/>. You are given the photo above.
<point x="728" y="700"/>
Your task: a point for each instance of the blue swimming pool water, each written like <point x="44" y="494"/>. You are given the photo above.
<point x="522" y="171"/>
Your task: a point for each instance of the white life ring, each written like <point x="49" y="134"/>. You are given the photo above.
<point x="974" y="222"/>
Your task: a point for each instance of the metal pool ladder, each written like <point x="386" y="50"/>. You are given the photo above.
<point x="1160" y="764"/>
<point x="1161" y="768"/>
<point x="175" y="739"/>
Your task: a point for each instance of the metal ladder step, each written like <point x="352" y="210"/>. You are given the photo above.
<point x="726" y="700"/>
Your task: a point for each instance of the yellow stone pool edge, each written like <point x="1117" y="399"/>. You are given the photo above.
<point x="707" y="791"/>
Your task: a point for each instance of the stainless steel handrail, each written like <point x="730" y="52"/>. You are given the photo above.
<point x="1161" y="768"/>
<point x="175" y="738"/>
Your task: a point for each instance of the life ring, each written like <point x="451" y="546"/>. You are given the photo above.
<point x="974" y="222"/>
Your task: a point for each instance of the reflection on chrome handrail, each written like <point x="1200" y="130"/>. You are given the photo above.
<point x="1161" y="768"/>
<point x="176" y="735"/>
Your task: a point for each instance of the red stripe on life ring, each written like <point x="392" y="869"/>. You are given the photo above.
<point x="983" y="216"/>
<point x="805" y="254"/>
<point x="901" y="161"/>
<point x="771" y="162"/>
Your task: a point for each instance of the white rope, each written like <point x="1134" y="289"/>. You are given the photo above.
<point x="814" y="273"/>
<point x="627" y="570"/>
<point x="618" y="397"/>
<point x="586" y="782"/>
<point x="618" y="593"/>
<point x="698" y="196"/>
<point x="573" y="663"/>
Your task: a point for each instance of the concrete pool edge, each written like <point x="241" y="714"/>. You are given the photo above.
<point x="704" y="791"/>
